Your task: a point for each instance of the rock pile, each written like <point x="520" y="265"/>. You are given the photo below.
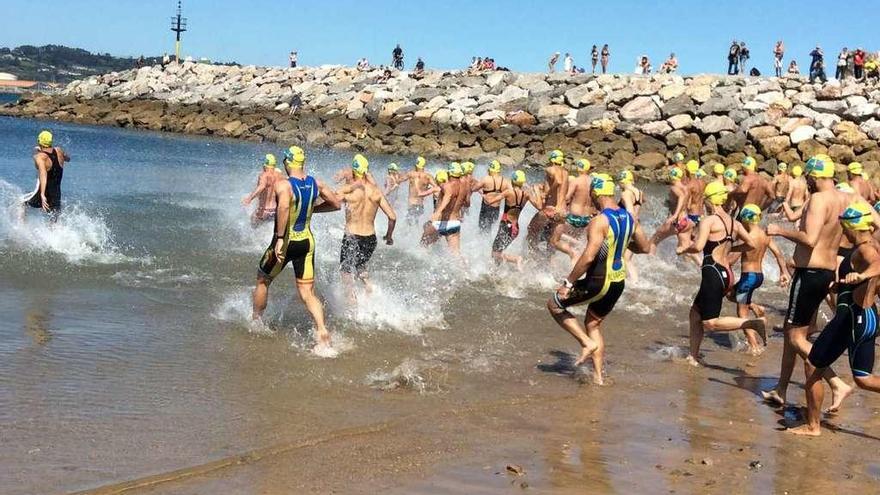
<point x="616" y="121"/>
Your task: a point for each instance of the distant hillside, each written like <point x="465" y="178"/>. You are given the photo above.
<point x="55" y="63"/>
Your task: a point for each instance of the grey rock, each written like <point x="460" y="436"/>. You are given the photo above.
<point x="718" y="105"/>
<point x="731" y="142"/>
<point x="679" y="105"/>
<point x="639" y="110"/>
<point x="590" y="113"/>
<point x="715" y="123"/>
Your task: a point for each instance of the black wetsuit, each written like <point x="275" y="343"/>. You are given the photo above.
<point x="489" y="214"/>
<point x="53" y="185"/>
<point x="716" y="279"/>
<point x="508" y="230"/>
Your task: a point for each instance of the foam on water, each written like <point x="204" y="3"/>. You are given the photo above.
<point x="79" y="236"/>
<point x="161" y="278"/>
<point x="410" y="375"/>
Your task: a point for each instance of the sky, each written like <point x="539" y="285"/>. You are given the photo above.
<point x="518" y="34"/>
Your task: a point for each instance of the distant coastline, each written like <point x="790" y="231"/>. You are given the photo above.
<point x="617" y="121"/>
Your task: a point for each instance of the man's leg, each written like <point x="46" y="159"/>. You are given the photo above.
<point x="571" y="325"/>
<point x="260" y="297"/>
<point x="742" y="311"/>
<point x="593" y="327"/>
<point x="561" y="245"/>
<point x="815" y="395"/>
<point x="313" y="305"/>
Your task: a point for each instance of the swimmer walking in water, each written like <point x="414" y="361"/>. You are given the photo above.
<point x="515" y="199"/>
<point x="49" y="161"/>
<point x="580" y="211"/>
<point x="362" y="201"/>
<point x="446" y="219"/>
<point x="297" y="198"/>
<point x="599" y="275"/>
<point x="492" y="183"/>
<point x="554" y="189"/>
<point x="419" y="182"/>
<point x="265" y="191"/>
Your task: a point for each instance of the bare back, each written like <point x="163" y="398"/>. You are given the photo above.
<point x="695" y="197"/>
<point x="418" y="182"/>
<point x="362" y="203"/>
<point x="557" y="186"/>
<point x="580" y="203"/>
<point x="798" y="192"/>
<point x="753" y="259"/>
<point x="824" y="207"/>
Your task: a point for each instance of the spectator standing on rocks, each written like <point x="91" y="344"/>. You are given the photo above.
<point x="816" y="55"/>
<point x="743" y="57"/>
<point x="605" y="54"/>
<point x="292" y="58"/>
<point x="594" y="57"/>
<point x="397" y="57"/>
<point x="840" y="73"/>
<point x="568" y="63"/>
<point x="165" y="60"/>
<point x="778" y="54"/>
<point x="817" y="65"/>
<point x="859" y="64"/>
<point x="551" y="65"/>
<point x="733" y="59"/>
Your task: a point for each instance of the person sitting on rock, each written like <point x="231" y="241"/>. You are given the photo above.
<point x="386" y="75"/>
<point x="420" y="69"/>
<point x="644" y="67"/>
<point x="670" y="65"/>
<point x="489" y="64"/>
<point x="793" y="68"/>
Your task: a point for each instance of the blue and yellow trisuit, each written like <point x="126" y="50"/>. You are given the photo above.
<point x="299" y="244"/>
<point x="604" y="281"/>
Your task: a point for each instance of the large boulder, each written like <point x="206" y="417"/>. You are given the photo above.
<point x="640" y="109"/>
<point x="715" y="123"/>
<point x="802" y="133"/>
<point x="678" y="105"/>
<point x="718" y="105"/>
<point x="590" y="113"/>
<point x="731" y="142"/>
<point x="862" y="111"/>
<point x="649" y="161"/>
<point x="682" y="121"/>
<point x="656" y="128"/>
<point x="773" y="146"/>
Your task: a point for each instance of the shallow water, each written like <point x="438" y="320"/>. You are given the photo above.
<point x="126" y="350"/>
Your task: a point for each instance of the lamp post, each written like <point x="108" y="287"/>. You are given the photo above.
<point x="178" y="25"/>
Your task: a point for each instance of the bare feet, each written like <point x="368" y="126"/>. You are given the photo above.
<point x="805" y="430"/>
<point x="760" y="326"/>
<point x="695" y="362"/>
<point x="598" y="380"/>
<point x="586" y="352"/>
<point x="838" y="395"/>
<point x="773" y="397"/>
<point x="756" y="351"/>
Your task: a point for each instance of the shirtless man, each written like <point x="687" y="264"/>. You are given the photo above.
<point x="392" y="182"/>
<point x="855" y="176"/>
<point x="297" y="198"/>
<point x="677" y="223"/>
<point x="446" y="219"/>
<point x="362" y="201"/>
<point x="779" y="185"/>
<point x="753" y="189"/>
<point x="797" y="195"/>
<point x="695" y="184"/>
<point x="580" y="211"/>
<point x="554" y="188"/>
<point x="815" y="260"/>
<point x="49" y="161"/>
<point x="492" y="183"/>
<point x="419" y="181"/>
<point x="752" y="270"/>
<point x="467" y="183"/>
<point x="265" y="191"/>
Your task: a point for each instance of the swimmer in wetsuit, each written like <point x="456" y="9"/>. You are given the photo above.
<point x="815" y="259"/>
<point x="854" y="327"/>
<point x="752" y="272"/>
<point x="265" y="191"/>
<point x="580" y="210"/>
<point x="515" y="199"/>
<point x="297" y="198"/>
<point x="490" y="184"/>
<point x="599" y="275"/>
<point x="49" y="161"/>
<point x="714" y="239"/>
<point x="362" y="201"/>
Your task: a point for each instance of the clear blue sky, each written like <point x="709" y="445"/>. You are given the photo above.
<point x="518" y="34"/>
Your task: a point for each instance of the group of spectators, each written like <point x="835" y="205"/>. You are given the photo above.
<point x="855" y="64"/>
<point x="596" y="56"/>
<point x="737" y="57"/>
<point x="482" y="64"/>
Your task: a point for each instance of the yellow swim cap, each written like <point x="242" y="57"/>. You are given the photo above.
<point x="467" y="168"/>
<point x="700" y="173"/>
<point x="749" y="163"/>
<point x="855" y="168"/>
<point x="750" y="213"/>
<point x="495" y="166"/>
<point x="583" y="165"/>
<point x="716" y="193"/>
<point x="797" y="171"/>
<point x="718" y="168"/>
<point x="518" y="178"/>
<point x="675" y="174"/>
<point x="692" y="166"/>
<point x="845" y="187"/>
<point x="455" y="170"/>
<point x="857" y="216"/>
<point x="294" y="157"/>
<point x="44" y="139"/>
<point x="420" y="163"/>
<point x="730" y="174"/>
<point x="269" y="161"/>
<point x="602" y="185"/>
<point x="392" y="167"/>
<point x="441" y="177"/>
<point x="556" y="157"/>
<point x="781" y="167"/>
<point x="625" y="177"/>
<point x="677" y="157"/>
<point x="820" y="167"/>
<point x="360" y="165"/>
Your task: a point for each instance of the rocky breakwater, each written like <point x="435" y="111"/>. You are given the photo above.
<point x="616" y="121"/>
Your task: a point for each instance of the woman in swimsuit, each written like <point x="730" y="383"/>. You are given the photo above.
<point x="714" y="238"/>
<point x="515" y="199"/>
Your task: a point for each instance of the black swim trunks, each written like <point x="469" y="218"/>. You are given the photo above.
<point x="809" y="287"/>
<point x="299" y="253"/>
<point x="599" y="293"/>
<point x="853" y="329"/>
<point x="356" y="252"/>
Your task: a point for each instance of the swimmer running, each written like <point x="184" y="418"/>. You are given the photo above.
<point x="446" y="219"/>
<point x="599" y="275"/>
<point x="49" y="161"/>
<point x="580" y="211"/>
<point x="492" y="183"/>
<point x="265" y="191"/>
<point x="297" y="198"/>
<point x="515" y="199"/>
<point x="419" y="181"/>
